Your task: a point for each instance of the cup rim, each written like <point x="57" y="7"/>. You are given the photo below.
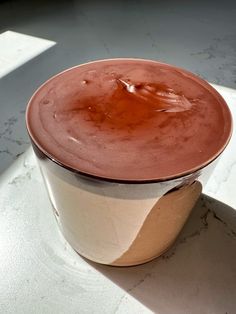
<point x="132" y="181"/>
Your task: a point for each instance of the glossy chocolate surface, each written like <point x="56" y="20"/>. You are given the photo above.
<point x="129" y="119"/>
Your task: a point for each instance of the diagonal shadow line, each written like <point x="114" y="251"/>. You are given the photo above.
<point x="15" y="89"/>
<point x="26" y="67"/>
<point x="196" y="275"/>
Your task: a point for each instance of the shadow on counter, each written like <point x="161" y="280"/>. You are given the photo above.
<point x="16" y="88"/>
<point x="197" y="275"/>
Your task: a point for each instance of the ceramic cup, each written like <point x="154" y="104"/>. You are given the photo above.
<point x="112" y="220"/>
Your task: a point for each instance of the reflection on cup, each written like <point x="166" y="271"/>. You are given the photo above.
<point x="124" y="146"/>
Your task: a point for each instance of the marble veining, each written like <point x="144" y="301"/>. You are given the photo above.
<point x="206" y="219"/>
<point x="8" y="126"/>
<point x="25" y="175"/>
<point x="21" y="178"/>
<point x="12" y="144"/>
<point x="220" y="54"/>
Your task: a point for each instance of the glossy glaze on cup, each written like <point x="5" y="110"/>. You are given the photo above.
<point x="130" y="120"/>
<point x="114" y="138"/>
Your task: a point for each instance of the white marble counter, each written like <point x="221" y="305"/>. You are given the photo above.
<point x="40" y="273"/>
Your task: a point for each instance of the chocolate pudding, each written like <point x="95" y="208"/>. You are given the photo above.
<point x="124" y="147"/>
<point x="129" y="120"/>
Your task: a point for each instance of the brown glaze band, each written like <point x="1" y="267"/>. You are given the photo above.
<point x="161" y="226"/>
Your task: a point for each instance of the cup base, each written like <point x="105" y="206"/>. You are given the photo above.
<point x="136" y="263"/>
<point x="159" y="230"/>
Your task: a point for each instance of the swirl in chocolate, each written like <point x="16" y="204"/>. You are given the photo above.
<point x="129" y="120"/>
